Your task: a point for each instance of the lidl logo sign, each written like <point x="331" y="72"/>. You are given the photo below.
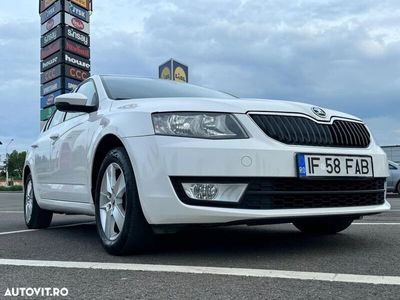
<point x="173" y="70"/>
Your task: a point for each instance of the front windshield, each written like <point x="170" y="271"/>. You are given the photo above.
<point x="125" y="87"/>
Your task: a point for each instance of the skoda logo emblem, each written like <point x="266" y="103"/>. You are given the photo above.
<point x="319" y="112"/>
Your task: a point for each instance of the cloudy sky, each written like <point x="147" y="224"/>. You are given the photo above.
<point x="339" y="54"/>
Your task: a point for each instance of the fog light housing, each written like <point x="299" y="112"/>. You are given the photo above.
<point x="214" y="191"/>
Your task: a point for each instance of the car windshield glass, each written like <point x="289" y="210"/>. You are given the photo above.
<point x="125" y="87"/>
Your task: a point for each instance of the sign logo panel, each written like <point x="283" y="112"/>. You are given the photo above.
<point x="49" y="99"/>
<point x="51" y="23"/>
<point x="46" y="113"/>
<point x="51" y="86"/>
<point x="84" y="3"/>
<point x="50" y="49"/>
<point x="181" y="72"/>
<point x="51" y="62"/>
<point x="77" y="36"/>
<point x="51" y="74"/>
<point x="77" y="23"/>
<point x="51" y="36"/>
<point x="77" y="61"/>
<point x="71" y="84"/>
<point x="44" y="4"/>
<point x="76" y="73"/>
<point x="77" y="11"/>
<point x="48" y="13"/>
<point x="174" y="70"/>
<point x="77" y="49"/>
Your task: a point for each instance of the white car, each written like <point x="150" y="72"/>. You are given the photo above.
<point x="150" y="156"/>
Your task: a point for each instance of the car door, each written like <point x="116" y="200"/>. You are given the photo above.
<point x="69" y="160"/>
<point x="42" y="154"/>
<point x="390" y="180"/>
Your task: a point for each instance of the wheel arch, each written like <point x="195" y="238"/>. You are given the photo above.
<point x="106" y="143"/>
<point x="26" y="172"/>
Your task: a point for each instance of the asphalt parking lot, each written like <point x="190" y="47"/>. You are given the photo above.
<point x="239" y="262"/>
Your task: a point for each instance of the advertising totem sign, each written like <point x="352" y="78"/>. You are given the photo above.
<point x="65" y="49"/>
<point x="174" y="70"/>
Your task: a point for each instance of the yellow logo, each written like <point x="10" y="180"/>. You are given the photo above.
<point x="180" y="75"/>
<point x="83" y="3"/>
<point x="166" y="73"/>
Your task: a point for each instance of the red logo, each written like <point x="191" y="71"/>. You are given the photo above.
<point x="50" y="99"/>
<point x="78" y="74"/>
<point x="78" y="24"/>
<point x="77" y="49"/>
<point x="50" y="24"/>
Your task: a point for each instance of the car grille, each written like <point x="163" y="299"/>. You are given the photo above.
<point x="291" y="193"/>
<point x="295" y="130"/>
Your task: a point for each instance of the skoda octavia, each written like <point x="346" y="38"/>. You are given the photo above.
<point x="150" y="156"/>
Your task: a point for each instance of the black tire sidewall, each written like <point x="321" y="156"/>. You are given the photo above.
<point x="40" y="218"/>
<point x="135" y="226"/>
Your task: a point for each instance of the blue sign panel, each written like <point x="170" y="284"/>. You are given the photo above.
<point x="77" y="11"/>
<point x="50" y="12"/>
<point x="51" y="87"/>
<point x="71" y="84"/>
<point x="48" y="100"/>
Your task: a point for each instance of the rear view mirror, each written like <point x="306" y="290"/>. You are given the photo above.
<point x="74" y="102"/>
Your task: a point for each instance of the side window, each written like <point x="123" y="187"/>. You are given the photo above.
<point x="71" y="115"/>
<point x="89" y="90"/>
<point x="58" y="118"/>
<point x="392" y="167"/>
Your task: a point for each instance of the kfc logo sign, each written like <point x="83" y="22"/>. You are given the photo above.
<point x="51" y="23"/>
<point x="77" y="23"/>
<point x="76" y="73"/>
<point x="77" y="49"/>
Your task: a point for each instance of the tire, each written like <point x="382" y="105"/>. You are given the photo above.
<point x="398" y="188"/>
<point x="35" y="217"/>
<point x="120" y="221"/>
<point x="323" y="226"/>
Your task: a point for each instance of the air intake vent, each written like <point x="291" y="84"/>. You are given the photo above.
<point x="295" y="130"/>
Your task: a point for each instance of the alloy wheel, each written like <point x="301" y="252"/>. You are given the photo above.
<point x="28" y="201"/>
<point x="112" y="201"/>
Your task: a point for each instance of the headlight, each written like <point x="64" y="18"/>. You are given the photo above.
<point x="198" y="125"/>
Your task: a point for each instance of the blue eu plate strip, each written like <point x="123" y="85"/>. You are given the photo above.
<point x="301" y="165"/>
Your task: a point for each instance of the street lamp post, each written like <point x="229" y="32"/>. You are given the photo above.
<point x="12" y="140"/>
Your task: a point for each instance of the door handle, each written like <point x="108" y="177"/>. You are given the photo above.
<point x="54" y="137"/>
<point x="34" y="146"/>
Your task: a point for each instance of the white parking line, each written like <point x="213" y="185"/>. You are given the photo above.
<point x="377" y="223"/>
<point x="11" y="212"/>
<point x="331" y="277"/>
<point x="54" y="227"/>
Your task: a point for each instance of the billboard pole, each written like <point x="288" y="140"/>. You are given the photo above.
<point x="65" y="49"/>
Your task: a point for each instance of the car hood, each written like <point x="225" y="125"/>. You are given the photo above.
<point x="241" y="106"/>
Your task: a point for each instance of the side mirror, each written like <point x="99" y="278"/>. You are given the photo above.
<point x="74" y="102"/>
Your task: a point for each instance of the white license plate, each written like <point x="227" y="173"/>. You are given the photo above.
<point x="318" y="165"/>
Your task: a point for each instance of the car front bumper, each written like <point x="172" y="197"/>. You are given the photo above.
<point x="157" y="159"/>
